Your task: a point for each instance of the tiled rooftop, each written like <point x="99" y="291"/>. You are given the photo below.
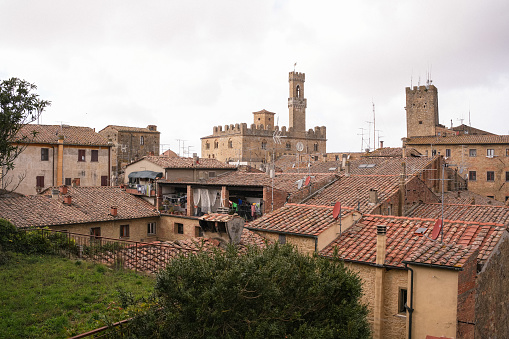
<point x="392" y="152"/>
<point x="172" y="162"/>
<point x="282" y="181"/>
<point x="89" y="204"/>
<point x="468" y="197"/>
<point x="478" y="213"/>
<point x="297" y="219"/>
<point x="358" y="243"/>
<point x="460" y="139"/>
<point x="73" y="135"/>
<point x="372" y="166"/>
<point x="131" y="129"/>
<point x="353" y="191"/>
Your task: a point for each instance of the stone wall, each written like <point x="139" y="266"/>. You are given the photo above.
<point x="393" y="323"/>
<point x="29" y="163"/>
<point x="492" y="291"/>
<point x="460" y="155"/>
<point x="111" y="229"/>
<point x="421" y="110"/>
<point x="466" y="298"/>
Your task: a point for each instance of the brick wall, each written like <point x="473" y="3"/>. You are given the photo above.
<point x="466" y="298"/>
<point x="461" y="156"/>
<point x="279" y="199"/>
<point x="492" y="291"/>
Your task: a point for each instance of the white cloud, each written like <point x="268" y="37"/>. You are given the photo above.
<point x="190" y="65"/>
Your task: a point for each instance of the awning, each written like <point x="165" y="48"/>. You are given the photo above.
<point x="145" y="175"/>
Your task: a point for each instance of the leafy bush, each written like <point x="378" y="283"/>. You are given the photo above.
<point x="277" y="292"/>
<point x="8" y="234"/>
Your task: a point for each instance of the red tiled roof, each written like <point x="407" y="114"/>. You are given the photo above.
<point x="171" y="162"/>
<point x="459" y="139"/>
<point x="282" y="181"/>
<point x="130" y="129"/>
<point x="89" y="204"/>
<point x="353" y="191"/>
<point x="220" y="217"/>
<point x="73" y="135"/>
<point x="358" y="243"/>
<point x="468" y="197"/>
<point x="478" y="213"/>
<point x="298" y="219"/>
<point x="392" y="152"/>
<point x="382" y="166"/>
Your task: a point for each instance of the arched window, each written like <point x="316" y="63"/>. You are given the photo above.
<point x="230" y="143"/>
<point x="315" y="147"/>
<point x="216" y="144"/>
<point x="207" y="145"/>
<point x="264" y="144"/>
<point x="142" y="140"/>
<point x="298" y="91"/>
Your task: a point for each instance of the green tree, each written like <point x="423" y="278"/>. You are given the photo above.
<point x="271" y="293"/>
<point x="19" y="106"/>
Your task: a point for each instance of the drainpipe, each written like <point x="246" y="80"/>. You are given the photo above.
<point x="411" y="308"/>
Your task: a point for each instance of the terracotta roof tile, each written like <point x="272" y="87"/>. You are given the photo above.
<point x="478" y="213"/>
<point x="73" y="135"/>
<point x="358" y="243"/>
<point x="298" y="219"/>
<point x="179" y="162"/>
<point x="88" y="204"/>
<point x="353" y="191"/>
<point x="282" y="181"/>
<point x="392" y="152"/>
<point x="130" y="129"/>
<point x="460" y="139"/>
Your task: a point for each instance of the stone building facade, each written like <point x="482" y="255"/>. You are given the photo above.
<point x="480" y="157"/>
<point x="130" y="144"/>
<point x="59" y="155"/>
<point x="263" y="140"/>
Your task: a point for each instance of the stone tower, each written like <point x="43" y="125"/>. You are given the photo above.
<point x="296" y="103"/>
<point x="421" y="111"/>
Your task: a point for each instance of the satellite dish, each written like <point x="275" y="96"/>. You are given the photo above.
<point x="308" y="179"/>
<point x="336" y="210"/>
<point x="436" y="229"/>
<point x="299" y="146"/>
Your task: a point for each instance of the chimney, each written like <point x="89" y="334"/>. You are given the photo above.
<point x="403" y="152"/>
<point x="373" y="196"/>
<point x="343" y="160"/>
<point x="113" y="211"/>
<point x="347" y="170"/>
<point x="152" y="128"/>
<point x="381" y="144"/>
<point x="63" y="189"/>
<point x="378" y="312"/>
<point x="54" y="193"/>
<point x="67" y="200"/>
<point x="195" y="158"/>
<point x="402" y="179"/>
<point x="381" y="231"/>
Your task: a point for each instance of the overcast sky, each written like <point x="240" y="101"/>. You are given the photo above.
<point x="187" y="66"/>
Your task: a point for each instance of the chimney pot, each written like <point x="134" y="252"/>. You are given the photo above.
<point x="113" y="211"/>
<point x="67" y="200"/>
<point x="381" y="230"/>
<point x="63" y="189"/>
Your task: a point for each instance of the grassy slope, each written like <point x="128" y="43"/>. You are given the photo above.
<point x="52" y="297"/>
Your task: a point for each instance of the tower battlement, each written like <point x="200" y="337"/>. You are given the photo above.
<point x="319" y="132"/>
<point x="296" y="76"/>
<point x="417" y="89"/>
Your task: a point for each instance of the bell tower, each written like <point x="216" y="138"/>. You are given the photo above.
<point x="296" y="103"/>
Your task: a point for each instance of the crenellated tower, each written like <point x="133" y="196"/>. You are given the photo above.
<point x="297" y="103"/>
<point x="422" y="111"/>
